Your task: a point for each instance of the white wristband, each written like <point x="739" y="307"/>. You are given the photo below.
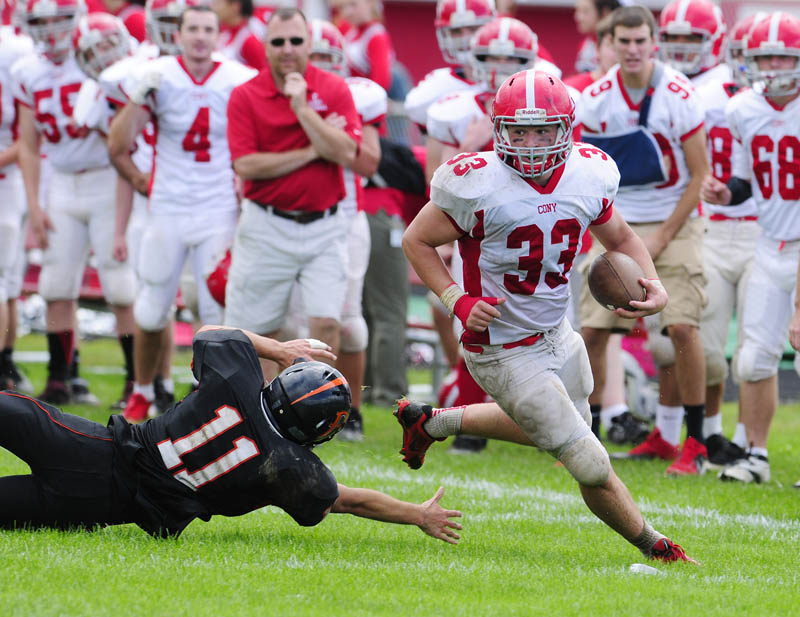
<point x="450" y="296"/>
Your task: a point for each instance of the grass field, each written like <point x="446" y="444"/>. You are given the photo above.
<point x="529" y="546"/>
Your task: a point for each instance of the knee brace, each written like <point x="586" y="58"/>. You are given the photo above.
<point x="587" y="460"/>
<point x="755" y="363"/>
<point x="354" y="334"/>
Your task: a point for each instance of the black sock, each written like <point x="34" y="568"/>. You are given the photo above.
<point x="595" y="409"/>
<point x="60" y="346"/>
<point x="5" y="362"/>
<point x="75" y="365"/>
<point x="126" y="342"/>
<point x="694" y="421"/>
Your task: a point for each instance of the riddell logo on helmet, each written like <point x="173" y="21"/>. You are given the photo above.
<point x="529" y="112"/>
<point x="339" y="421"/>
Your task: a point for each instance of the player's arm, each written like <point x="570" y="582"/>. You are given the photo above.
<point x="29" y="155"/>
<point x="794" y="325"/>
<point x="369" y="152"/>
<point x="616" y="235"/>
<point x="9" y="155"/>
<point x="127" y="124"/>
<point x="694" y="149"/>
<point x="429" y="516"/>
<point x="284" y="354"/>
<point x="122" y="215"/>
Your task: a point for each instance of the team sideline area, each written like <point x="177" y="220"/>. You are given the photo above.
<point x="528" y="548"/>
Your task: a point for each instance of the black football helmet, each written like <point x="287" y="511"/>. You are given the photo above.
<point x="308" y="403"/>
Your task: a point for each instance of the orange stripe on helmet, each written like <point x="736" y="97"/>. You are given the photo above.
<point x="339" y="381"/>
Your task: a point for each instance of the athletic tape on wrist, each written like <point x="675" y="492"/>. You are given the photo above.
<point x="450" y="296"/>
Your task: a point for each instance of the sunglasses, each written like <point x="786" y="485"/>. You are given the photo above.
<point x="280" y="41"/>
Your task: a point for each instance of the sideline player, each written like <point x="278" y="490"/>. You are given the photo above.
<point x="519" y="214"/>
<point x="193" y="206"/>
<point x="229" y="448"/>
<point x="237" y="40"/>
<point x="765" y="119"/>
<point x="646" y="115"/>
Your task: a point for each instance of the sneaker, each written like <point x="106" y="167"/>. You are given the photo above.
<point x="627" y="429"/>
<point x="127" y="390"/>
<point x="666" y="550"/>
<point x="690" y="462"/>
<point x="21" y="382"/>
<point x="353" y="430"/>
<point x="80" y="393"/>
<point x="654" y="446"/>
<point x="416" y="441"/>
<point x="55" y="392"/>
<point x="467" y="444"/>
<point x="136" y="409"/>
<point x="751" y="468"/>
<point x="722" y="452"/>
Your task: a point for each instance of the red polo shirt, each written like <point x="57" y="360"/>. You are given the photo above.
<point x="261" y="120"/>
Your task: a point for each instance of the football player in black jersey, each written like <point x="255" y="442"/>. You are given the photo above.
<point x="230" y="447"/>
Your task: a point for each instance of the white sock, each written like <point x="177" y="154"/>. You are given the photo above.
<point x="169" y="384"/>
<point x="759" y="452"/>
<point x="740" y="436"/>
<point x="612" y="411"/>
<point x="712" y="425"/>
<point x="445" y="422"/>
<point x="669" y="420"/>
<point x="146" y="390"/>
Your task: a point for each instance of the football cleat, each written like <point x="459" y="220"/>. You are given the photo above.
<point x="55" y="392"/>
<point x="666" y="550"/>
<point x="691" y="459"/>
<point x="354" y="427"/>
<point x="751" y="468"/>
<point x="627" y="429"/>
<point x="722" y="452"/>
<point x="412" y="416"/>
<point x="654" y="446"/>
<point x="164" y="398"/>
<point x="21" y="382"/>
<point x="467" y="444"/>
<point x="80" y="393"/>
<point x="127" y="390"/>
<point x="136" y="409"/>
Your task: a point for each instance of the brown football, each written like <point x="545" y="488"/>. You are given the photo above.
<point x="614" y="280"/>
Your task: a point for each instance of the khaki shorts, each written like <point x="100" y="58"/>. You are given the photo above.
<point x="680" y="268"/>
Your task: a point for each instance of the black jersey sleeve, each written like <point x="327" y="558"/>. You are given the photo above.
<point x="223" y="353"/>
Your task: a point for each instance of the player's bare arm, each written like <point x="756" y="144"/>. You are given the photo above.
<point x="369" y="153"/>
<point x="30" y="164"/>
<point x="714" y="191"/>
<point x="694" y="149"/>
<point x="429" y="516"/>
<point x="616" y="235"/>
<point x="330" y="142"/>
<point x="794" y="325"/>
<point x="124" y="207"/>
<point x="127" y="124"/>
<point x="9" y="155"/>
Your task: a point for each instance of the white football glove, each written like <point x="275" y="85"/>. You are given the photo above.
<point x="146" y="86"/>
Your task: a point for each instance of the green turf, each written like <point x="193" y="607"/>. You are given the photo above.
<point x="529" y="545"/>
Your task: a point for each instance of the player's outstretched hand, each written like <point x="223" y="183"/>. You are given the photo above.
<point x="715" y="192"/>
<point x="305" y="348"/>
<point x="655" y="300"/>
<point x="477" y="313"/>
<point x="436" y="520"/>
<point x="40" y="226"/>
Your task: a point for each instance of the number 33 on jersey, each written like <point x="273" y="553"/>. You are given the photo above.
<point x="519" y="239"/>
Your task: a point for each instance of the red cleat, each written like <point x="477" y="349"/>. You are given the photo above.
<point x="137" y="408"/>
<point x="416" y="441"/>
<point x="690" y="462"/>
<point x="666" y="550"/>
<point x="654" y="446"/>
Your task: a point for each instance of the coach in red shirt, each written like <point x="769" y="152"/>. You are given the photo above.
<point x="290" y="130"/>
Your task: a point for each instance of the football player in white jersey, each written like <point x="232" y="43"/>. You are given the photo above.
<point x="193" y="205"/>
<point x="12" y="212"/>
<point x="766" y="121"/>
<point x="78" y="210"/>
<point x="327" y="53"/>
<point x="519" y="213"/>
<point x="645" y="114"/>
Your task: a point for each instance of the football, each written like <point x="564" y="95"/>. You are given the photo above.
<point x="614" y="280"/>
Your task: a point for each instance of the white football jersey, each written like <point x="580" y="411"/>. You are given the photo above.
<point x="722" y="147"/>
<point x="192" y="166"/>
<point x="51" y="90"/>
<point x="675" y="115"/>
<point x="520" y="239"/>
<point x="371" y="104"/>
<point x="12" y="48"/>
<point x="720" y="72"/>
<point x="435" y="85"/>
<point x="770" y="139"/>
<point x="449" y="117"/>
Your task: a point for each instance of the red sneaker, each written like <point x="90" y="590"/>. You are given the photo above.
<point x="654" y="446"/>
<point x="666" y="550"/>
<point x="136" y="409"/>
<point x="690" y="462"/>
<point x="416" y="441"/>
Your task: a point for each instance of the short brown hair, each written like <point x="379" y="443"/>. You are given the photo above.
<point x="633" y="17"/>
<point x="285" y="13"/>
<point x="603" y="28"/>
<point x="200" y="8"/>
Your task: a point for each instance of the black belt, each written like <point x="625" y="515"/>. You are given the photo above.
<point x="298" y="216"/>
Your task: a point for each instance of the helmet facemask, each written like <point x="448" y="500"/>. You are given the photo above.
<point x="533" y="161"/>
<point x="687" y="57"/>
<point x="773" y="82"/>
<point x="330" y="59"/>
<point x="499" y="60"/>
<point x="52" y="33"/>
<point x="98" y="53"/>
<point x="163" y="31"/>
<point x="454" y="40"/>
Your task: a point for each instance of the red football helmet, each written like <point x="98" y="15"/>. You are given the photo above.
<point x="100" y="40"/>
<point x="687" y="17"/>
<point x="456" y="22"/>
<point x="161" y="20"/>
<point x="50" y="24"/>
<point x="775" y="35"/>
<point x="501" y="48"/>
<point x="217" y="279"/>
<point x="326" y="40"/>
<point x="734" y="54"/>
<point x="532" y="98"/>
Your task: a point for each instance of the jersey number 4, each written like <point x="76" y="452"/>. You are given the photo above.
<point x="244" y="448"/>
<point x="569" y="229"/>
<point x="196" y="139"/>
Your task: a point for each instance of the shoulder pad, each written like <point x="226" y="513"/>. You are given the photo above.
<point x="449" y="117"/>
<point x="369" y="98"/>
